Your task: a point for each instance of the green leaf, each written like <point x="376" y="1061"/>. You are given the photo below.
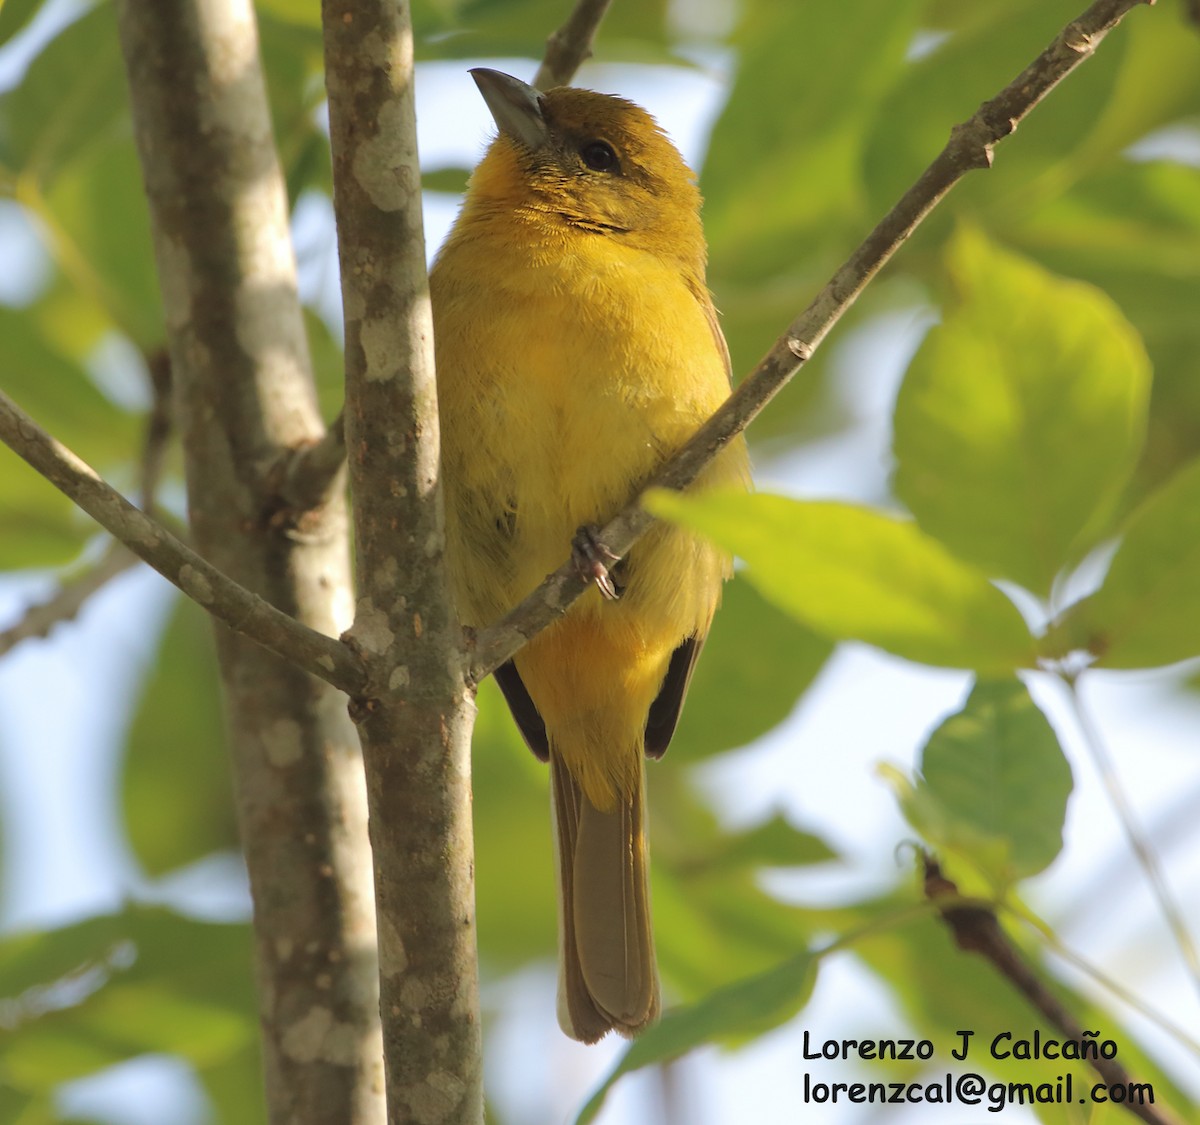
<point x="1147" y="611"/>
<point x="329" y="368"/>
<point x="293" y="60"/>
<point x="235" y="1087"/>
<point x="100" y="225"/>
<point x="106" y="989"/>
<point x="14" y="15"/>
<point x="515" y="880"/>
<point x="59" y="394"/>
<point x="176" y="789"/>
<point x="995" y="773"/>
<point x="452" y="181"/>
<point x="756" y="655"/>
<point x="803" y="137"/>
<point x="39" y="526"/>
<point x="987" y="49"/>
<point x="776" y="842"/>
<point x="738" y="1011"/>
<point x="301" y="12"/>
<point x="518" y="28"/>
<point x="1021" y="416"/>
<point x="856" y="574"/>
<point x="70" y="99"/>
<point x="20" y="1108"/>
<point x="782" y="180"/>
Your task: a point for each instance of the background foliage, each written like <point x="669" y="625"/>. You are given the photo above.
<point x="1029" y="439"/>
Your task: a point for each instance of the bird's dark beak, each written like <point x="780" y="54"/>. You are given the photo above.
<point x="517" y="108"/>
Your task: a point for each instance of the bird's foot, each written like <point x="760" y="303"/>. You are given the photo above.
<point x="591" y="559"/>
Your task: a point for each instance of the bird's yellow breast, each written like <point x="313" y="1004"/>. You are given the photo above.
<point x="588" y="364"/>
<point x="571" y="364"/>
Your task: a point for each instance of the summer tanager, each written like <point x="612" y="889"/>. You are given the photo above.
<point x="577" y="349"/>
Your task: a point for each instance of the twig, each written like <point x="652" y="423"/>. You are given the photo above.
<point x="230" y="603"/>
<point x="40" y="617"/>
<point x="1142" y="850"/>
<point x="159" y="424"/>
<point x="308" y="474"/>
<point x="570" y="45"/>
<point x="976" y="930"/>
<point x="65" y="603"/>
<point x="970" y="146"/>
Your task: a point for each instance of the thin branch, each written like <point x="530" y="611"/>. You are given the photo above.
<point x="977" y="930"/>
<point x="570" y="45"/>
<point x="1138" y="843"/>
<point x="40" y="617"/>
<point x="229" y="602"/>
<point x="309" y="474"/>
<point x="969" y="147"/>
<point x="159" y="424"/>
<point x="65" y="603"/>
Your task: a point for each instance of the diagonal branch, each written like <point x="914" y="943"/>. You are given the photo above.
<point x="231" y="603"/>
<point x="976" y="929"/>
<point x="39" y="618"/>
<point x="571" y="45"/>
<point x="970" y="146"/>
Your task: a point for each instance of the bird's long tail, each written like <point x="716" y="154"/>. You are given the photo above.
<point x="608" y="979"/>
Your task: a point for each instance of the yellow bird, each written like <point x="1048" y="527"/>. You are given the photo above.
<point x="577" y="349"/>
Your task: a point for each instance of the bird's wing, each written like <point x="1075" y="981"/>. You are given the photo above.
<point x="529" y="721"/>
<point x="664" y="711"/>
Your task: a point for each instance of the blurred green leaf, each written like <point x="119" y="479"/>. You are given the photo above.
<point x="781" y="179"/>
<point x="293" y="62"/>
<point x="99" y="232"/>
<point x="1147" y="611"/>
<point x="1020" y="417"/>
<point x="450" y="181"/>
<point x="176" y="789"/>
<point x="302" y="12"/>
<point x="14" y="15"/>
<point x="60" y="396"/>
<point x="235" y="1087"/>
<point x="713" y="921"/>
<point x="69" y="101"/>
<point x="39" y="526"/>
<point x="856" y="574"/>
<point x="775" y="842"/>
<point x="89" y="995"/>
<point x="518" y="28"/>
<point x="20" y="1108"/>
<point x="329" y="370"/>
<point x="738" y="1011"/>
<point x="784" y="198"/>
<point x="1134" y="230"/>
<point x="757" y="655"/>
<point x="996" y="783"/>
<point x="515" y="879"/>
<point x="945" y="85"/>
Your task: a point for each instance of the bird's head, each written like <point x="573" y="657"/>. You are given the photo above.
<point x="590" y="161"/>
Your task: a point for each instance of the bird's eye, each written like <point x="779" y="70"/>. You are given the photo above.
<point x="599" y="156"/>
